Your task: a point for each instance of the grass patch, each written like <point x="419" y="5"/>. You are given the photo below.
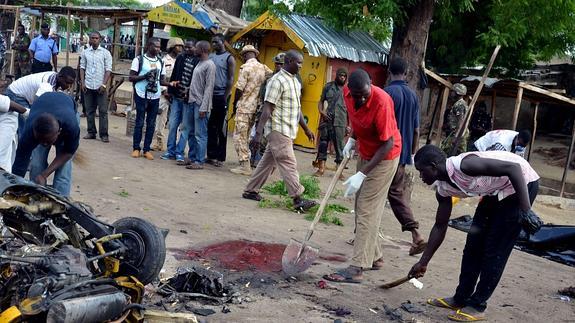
<point x="329" y="215"/>
<point x="123" y="193"/>
<point x="310" y="183"/>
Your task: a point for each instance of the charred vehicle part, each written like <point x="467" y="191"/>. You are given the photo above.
<point x="59" y="263"/>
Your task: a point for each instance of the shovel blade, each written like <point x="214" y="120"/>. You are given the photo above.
<point x="295" y="259"/>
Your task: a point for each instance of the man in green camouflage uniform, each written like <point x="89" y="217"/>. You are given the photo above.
<point x="333" y="124"/>
<point x="22" y="57"/>
<point x="250" y="79"/>
<point x="454" y="119"/>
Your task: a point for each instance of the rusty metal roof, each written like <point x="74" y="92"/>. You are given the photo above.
<point x="320" y="39"/>
<point x="90" y="11"/>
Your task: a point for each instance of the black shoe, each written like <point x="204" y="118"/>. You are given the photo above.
<point x="304" y="205"/>
<point x="105" y="139"/>
<point x="252" y="196"/>
<point x="90" y="136"/>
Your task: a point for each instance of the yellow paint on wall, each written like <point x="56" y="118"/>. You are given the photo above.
<point x="172" y="14"/>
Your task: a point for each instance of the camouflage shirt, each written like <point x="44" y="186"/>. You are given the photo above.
<point x="20" y="45"/>
<point x="2" y="47"/>
<point x="252" y="75"/>
<point x="455" y="116"/>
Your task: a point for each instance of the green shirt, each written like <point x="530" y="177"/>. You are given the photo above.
<point x="336" y="109"/>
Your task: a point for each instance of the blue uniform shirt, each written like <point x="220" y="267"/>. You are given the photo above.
<point x="63" y="108"/>
<point x="406" y="107"/>
<point x="43" y="48"/>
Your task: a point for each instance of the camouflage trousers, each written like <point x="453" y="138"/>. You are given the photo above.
<point x="21" y="69"/>
<point x="241" y="137"/>
<point x="447" y="144"/>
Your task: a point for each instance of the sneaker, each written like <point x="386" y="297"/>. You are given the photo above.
<point x="252" y="196"/>
<point x="148" y="155"/>
<point x="303" y="205"/>
<point x="180" y="159"/>
<point x="90" y="136"/>
<point x="167" y="156"/>
<point x="105" y="139"/>
<point x="135" y="153"/>
<point x="243" y="169"/>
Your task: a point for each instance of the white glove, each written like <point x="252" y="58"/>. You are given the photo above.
<point x="353" y="183"/>
<point x="26" y="114"/>
<point x="349" y="146"/>
<point x="412" y="161"/>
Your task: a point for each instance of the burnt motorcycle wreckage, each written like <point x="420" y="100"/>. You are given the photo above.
<point x="59" y="263"/>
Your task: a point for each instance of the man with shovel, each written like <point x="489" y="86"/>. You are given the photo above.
<point x="373" y="124"/>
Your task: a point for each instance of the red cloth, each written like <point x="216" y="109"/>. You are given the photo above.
<point x="373" y="123"/>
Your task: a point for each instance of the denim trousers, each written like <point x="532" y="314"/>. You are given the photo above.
<point x="177" y="108"/>
<point x="198" y="134"/>
<point x="146" y="109"/>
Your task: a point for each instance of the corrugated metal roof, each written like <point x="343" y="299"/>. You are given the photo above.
<point x="213" y="18"/>
<point x="320" y="39"/>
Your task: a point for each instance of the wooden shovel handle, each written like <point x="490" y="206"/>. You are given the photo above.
<point x="395" y="283"/>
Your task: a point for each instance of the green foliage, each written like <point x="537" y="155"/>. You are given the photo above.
<point x="123" y="193"/>
<point x="310" y="184"/>
<point x="329" y="215"/>
<point x="252" y="9"/>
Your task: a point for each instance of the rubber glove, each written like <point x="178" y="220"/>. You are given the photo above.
<point x="26" y="114"/>
<point x="353" y="183"/>
<point x="349" y="146"/>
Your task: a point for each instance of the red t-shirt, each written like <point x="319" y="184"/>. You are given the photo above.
<point x="373" y="123"/>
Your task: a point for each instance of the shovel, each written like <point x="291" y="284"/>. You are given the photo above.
<point x="299" y="256"/>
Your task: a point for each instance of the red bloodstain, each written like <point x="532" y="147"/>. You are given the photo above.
<point x="242" y="255"/>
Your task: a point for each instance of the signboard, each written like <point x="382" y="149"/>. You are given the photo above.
<point x="172" y="14"/>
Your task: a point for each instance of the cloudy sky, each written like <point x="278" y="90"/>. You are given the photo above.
<point x="156" y="3"/>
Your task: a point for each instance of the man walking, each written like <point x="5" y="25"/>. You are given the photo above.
<point x="333" y="124"/>
<point x="200" y="105"/>
<point x="53" y="121"/>
<point x="406" y="108"/>
<point x="22" y="55"/>
<point x="281" y="116"/>
<point x="373" y="124"/>
<point x="252" y="75"/>
<point x="181" y="77"/>
<point x="43" y="48"/>
<point x="95" y="71"/>
<point x="147" y="73"/>
<point x="175" y="47"/>
<point x="225" y="68"/>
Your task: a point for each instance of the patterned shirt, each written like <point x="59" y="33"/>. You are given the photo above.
<point x="455" y="115"/>
<point x="169" y="63"/>
<point x="20" y="45"/>
<point x="43" y="48"/>
<point x="482" y="185"/>
<point x="95" y="63"/>
<point x="252" y="75"/>
<point x="336" y="109"/>
<point x="283" y="90"/>
<point x="2" y="47"/>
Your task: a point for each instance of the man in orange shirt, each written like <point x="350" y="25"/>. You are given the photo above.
<point x="373" y="124"/>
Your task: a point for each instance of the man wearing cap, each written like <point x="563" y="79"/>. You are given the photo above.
<point x="175" y="47"/>
<point x="252" y="75"/>
<point x="333" y="124"/>
<point x="95" y="71"/>
<point x="43" y="48"/>
<point x="454" y="121"/>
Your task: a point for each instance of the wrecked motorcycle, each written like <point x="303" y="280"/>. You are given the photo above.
<point x="59" y="263"/>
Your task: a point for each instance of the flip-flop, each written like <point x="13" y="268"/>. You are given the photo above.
<point x="377" y="265"/>
<point x="345" y="277"/>
<point x="440" y="302"/>
<point x="350" y="241"/>
<point x="418" y="248"/>
<point x="185" y="162"/>
<point x="460" y="316"/>
<point x="194" y="166"/>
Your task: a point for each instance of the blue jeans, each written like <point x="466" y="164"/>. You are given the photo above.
<point x="145" y="109"/>
<point x="23" y="102"/>
<point x="175" y="119"/>
<point x="198" y="134"/>
<point x="62" y="176"/>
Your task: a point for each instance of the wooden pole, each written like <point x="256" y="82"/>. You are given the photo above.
<point x="116" y="40"/>
<point x="434" y="116"/>
<point x="517" y="108"/>
<point x="534" y="130"/>
<point x="138" y="37"/>
<point x="68" y="37"/>
<point x="444" y="97"/>
<point x="13" y="55"/>
<point x="569" y="155"/>
<point x="475" y="97"/>
<point x="33" y="26"/>
<point x="493" y="104"/>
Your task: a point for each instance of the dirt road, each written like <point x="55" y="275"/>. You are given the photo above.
<point x="205" y="207"/>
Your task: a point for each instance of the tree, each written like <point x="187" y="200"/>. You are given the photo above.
<point x="233" y="7"/>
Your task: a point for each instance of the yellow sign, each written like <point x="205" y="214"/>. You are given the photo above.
<point x="172" y="14"/>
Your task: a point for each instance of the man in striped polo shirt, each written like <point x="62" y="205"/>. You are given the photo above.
<point x="281" y="116"/>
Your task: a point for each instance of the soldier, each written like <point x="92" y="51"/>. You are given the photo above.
<point x="252" y="75"/>
<point x="333" y="124"/>
<point x="454" y="120"/>
<point x="22" y="57"/>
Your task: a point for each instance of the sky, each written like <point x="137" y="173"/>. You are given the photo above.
<point x="156" y="3"/>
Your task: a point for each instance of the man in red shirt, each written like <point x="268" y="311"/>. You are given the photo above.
<point x="373" y="124"/>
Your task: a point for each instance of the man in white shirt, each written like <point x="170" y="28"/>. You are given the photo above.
<point x="507" y="140"/>
<point x="9" y="111"/>
<point x="95" y="71"/>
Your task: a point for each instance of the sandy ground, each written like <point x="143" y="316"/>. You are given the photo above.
<point x="205" y="207"/>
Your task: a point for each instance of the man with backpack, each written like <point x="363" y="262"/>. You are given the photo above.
<point x="147" y="73"/>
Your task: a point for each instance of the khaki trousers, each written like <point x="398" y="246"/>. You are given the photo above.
<point x="279" y="153"/>
<point x="369" y="204"/>
<point x="162" y="120"/>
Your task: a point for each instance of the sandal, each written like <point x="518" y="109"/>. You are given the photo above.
<point x="440" y="302"/>
<point x="460" y="316"/>
<point x="185" y="162"/>
<point x="417" y="248"/>
<point x="195" y="166"/>
<point x="303" y="205"/>
<point x="377" y="265"/>
<point x="343" y="276"/>
<point x="252" y="196"/>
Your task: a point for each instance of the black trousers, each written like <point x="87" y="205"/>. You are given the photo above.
<point x="96" y="101"/>
<point x="217" y="135"/>
<point x="39" y="67"/>
<point x="494" y="230"/>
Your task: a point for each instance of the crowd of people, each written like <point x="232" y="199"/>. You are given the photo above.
<point x="188" y="90"/>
